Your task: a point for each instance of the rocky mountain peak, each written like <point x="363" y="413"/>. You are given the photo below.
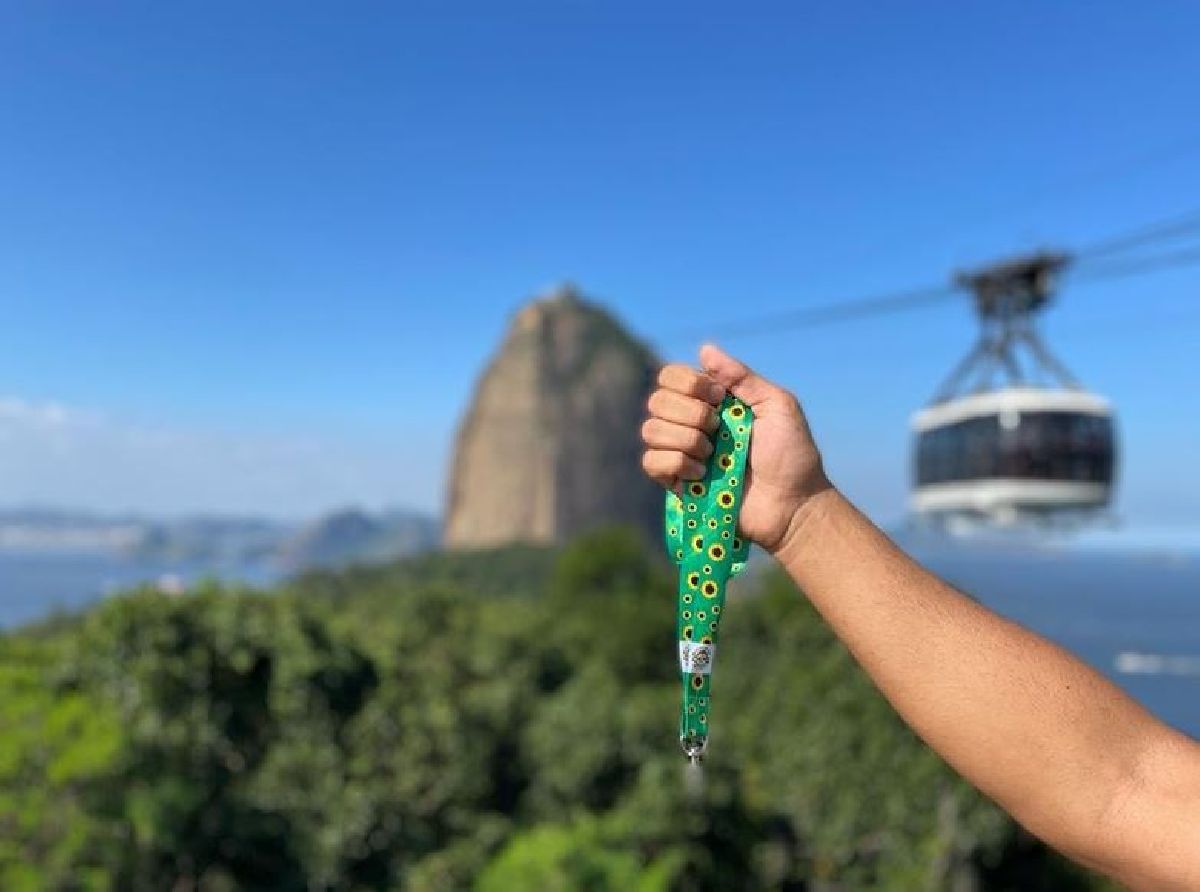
<point x="549" y="445"/>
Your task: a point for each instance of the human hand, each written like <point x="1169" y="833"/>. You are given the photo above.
<point x="784" y="470"/>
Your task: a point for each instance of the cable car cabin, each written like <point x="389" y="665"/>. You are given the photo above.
<point x="1014" y="452"/>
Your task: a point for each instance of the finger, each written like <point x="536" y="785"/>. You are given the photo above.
<point x="686" y="380"/>
<point x="668" y="482"/>
<point x="659" y="434"/>
<point x="742" y="381"/>
<point x="679" y="409"/>
<point x="669" y="464"/>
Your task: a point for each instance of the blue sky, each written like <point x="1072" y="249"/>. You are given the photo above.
<point x="252" y="256"/>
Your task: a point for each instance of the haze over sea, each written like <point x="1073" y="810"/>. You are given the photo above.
<point x="1131" y="612"/>
<point x="34" y="585"/>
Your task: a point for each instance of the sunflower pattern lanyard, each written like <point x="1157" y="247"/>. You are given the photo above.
<point x="701" y="534"/>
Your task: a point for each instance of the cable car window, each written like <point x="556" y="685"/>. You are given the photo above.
<point x="1068" y="446"/>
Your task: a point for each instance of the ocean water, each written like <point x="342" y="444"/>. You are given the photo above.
<point x="1134" y="614"/>
<point x="35" y="585"/>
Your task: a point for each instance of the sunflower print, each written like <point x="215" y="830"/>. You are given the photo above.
<point x="709" y="552"/>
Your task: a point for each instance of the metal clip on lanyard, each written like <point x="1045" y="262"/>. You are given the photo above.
<point x="701" y="534"/>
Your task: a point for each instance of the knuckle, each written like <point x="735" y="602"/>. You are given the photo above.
<point x="698" y="443"/>
<point x="682" y="379"/>
<point x="668" y="374"/>
<point x="787" y="399"/>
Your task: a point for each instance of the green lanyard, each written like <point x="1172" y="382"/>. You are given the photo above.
<point x="701" y="532"/>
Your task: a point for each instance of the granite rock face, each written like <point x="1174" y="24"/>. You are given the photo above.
<point x="549" y="446"/>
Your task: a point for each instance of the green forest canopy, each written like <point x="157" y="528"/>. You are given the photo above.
<point x="498" y="720"/>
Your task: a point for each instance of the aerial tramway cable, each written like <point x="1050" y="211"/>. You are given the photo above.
<point x="1188" y="224"/>
<point x="1081" y="267"/>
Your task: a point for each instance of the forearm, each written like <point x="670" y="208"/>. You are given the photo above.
<point x="1059" y="747"/>
<point x="1053" y="742"/>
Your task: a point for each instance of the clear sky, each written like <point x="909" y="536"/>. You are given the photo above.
<point x="253" y="255"/>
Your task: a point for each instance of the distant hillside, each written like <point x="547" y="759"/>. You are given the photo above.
<point x="353" y="536"/>
<point x="344" y="536"/>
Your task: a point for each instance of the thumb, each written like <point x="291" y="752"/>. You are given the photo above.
<point x="737" y="377"/>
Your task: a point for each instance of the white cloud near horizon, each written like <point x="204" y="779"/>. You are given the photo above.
<point x="60" y="455"/>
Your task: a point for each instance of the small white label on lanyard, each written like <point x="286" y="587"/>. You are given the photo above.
<point x="695" y="657"/>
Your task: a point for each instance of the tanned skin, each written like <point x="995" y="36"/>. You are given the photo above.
<point x="1064" y="751"/>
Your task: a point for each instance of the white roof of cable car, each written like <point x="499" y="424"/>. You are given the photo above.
<point x="1009" y="399"/>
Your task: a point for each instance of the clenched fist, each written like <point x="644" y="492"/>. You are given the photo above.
<point x="784" y="470"/>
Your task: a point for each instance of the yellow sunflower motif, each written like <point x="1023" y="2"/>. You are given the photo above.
<point x="716" y="551"/>
<point x="709" y="589"/>
<point x="737" y="412"/>
<point x="698" y="543"/>
<point x="696" y="488"/>
<point x="725" y="499"/>
<point x="698" y="683"/>
<point x="693" y="580"/>
<point x="687" y="633"/>
<point x="725" y="462"/>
